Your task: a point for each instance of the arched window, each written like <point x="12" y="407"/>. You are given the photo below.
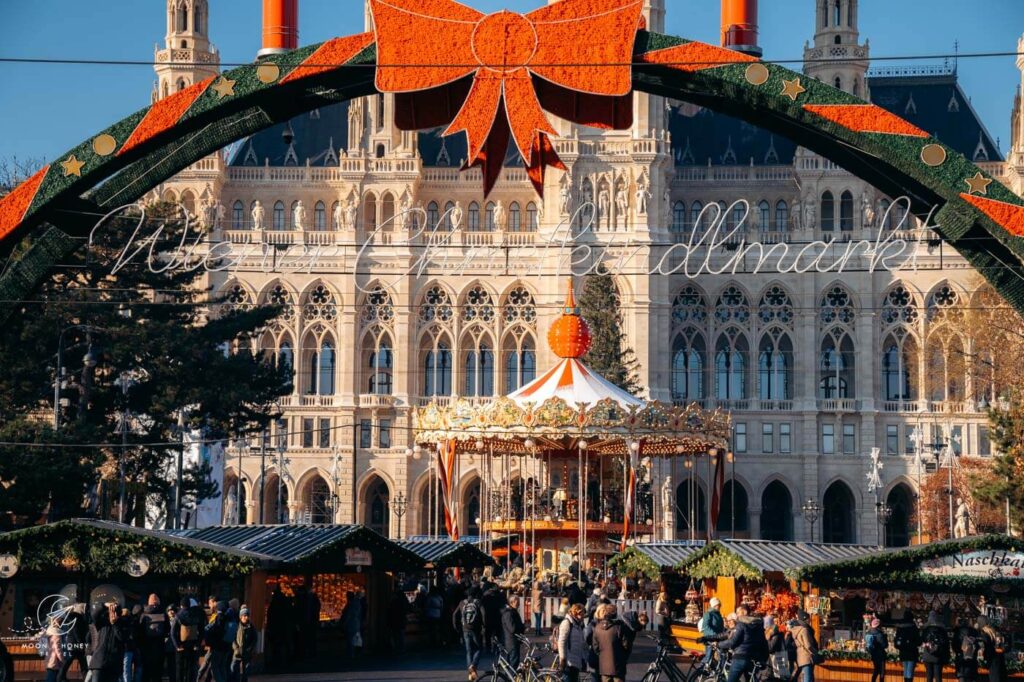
<point x="325" y="383"/>
<point x="776" y="512"/>
<point x="471" y="503"/>
<point x="781" y="216"/>
<point x="775" y="367"/>
<point x="320" y="217"/>
<point x="689" y="306"/>
<point x="899" y="366"/>
<point x="474" y="217"/>
<point x="835" y="376"/>
<point x="286" y="356"/>
<point x="318" y="501"/>
<point x="479" y="371"/>
<point x="387" y="211"/>
<point x="238" y="216"/>
<point x="489" y="217"/>
<point x="181" y="85"/>
<point x="856" y="88"/>
<point x="828" y="212"/>
<point x="520" y="363"/>
<point x="738" y="213"/>
<point x="678" y="216"/>
<point x="901" y="503"/>
<point x="532" y="217"/>
<point x="370" y="214"/>
<point x="731" y="366"/>
<point x="446" y="220"/>
<point x="438" y="371"/>
<point x="377" y="514"/>
<point x="838" y="81"/>
<point x="514" y="217"/>
<point x="734" y="517"/>
<point x="433" y="217"/>
<point x="846" y="212"/>
<point x="764" y="211"/>
<point x="837" y="16"/>
<point x="886" y="212"/>
<point x="837" y="515"/>
<point x="698" y="511"/>
<point x="181" y="16"/>
<point x="188" y="201"/>
<point x="688" y="353"/>
<point x="279" y="216"/>
<point x="382" y="363"/>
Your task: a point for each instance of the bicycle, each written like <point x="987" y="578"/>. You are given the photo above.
<point x="664" y="665"/>
<point x="529" y="669"/>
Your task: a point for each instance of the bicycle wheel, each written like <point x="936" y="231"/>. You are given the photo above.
<point x="492" y="676"/>
<point x="548" y="675"/>
<point x="652" y="676"/>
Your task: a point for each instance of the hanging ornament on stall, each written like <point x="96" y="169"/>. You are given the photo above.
<point x="8" y="566"/>
<point x="138" y="566"/>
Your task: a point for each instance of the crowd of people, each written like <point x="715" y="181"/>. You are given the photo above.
<point x="185" y="643"/>
<point x="969" y="647"/>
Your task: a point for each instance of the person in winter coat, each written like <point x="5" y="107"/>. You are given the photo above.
<point x="633" y="623"/>
<point x="575" y="594"/>
<point x="572" y="649"/>
<point x="155" y="629"/>
<point x="433" y="606"/>
<point x="470" y="618"/>
<point x="54" y="650"/>
<point x="398" y="620"/>
<point x="511" y="627"/>
<point x="216" y="637"/>
<point x="107" y="660"/>
<point x="186" y="635"/>
<point x="611" y="645"/>
<point x="907" y="641"/>
<point x="494" y="601"/>
<point x="806" y="647"/>
<point x="967" y="646"/>
<point x="773" y="635"/>
<point x="934" y="648"/>
<point x="663" y="613"/>
<point x="712" y="625"/>
<point x="995" y="650"/>
<point x="876" y="644"/>
<point x="77" y="642"/>
<point x="244" y="646"/>
<point x="537" y="606"/>
<point x="747" y="643"/>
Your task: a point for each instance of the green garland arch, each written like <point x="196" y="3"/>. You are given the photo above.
<point x="194" y="123"/>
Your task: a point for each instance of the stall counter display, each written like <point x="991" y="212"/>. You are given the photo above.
<point x="330" y="589"/>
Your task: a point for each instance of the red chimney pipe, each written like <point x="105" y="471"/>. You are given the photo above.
<point x="739" y="26"/>
<point x="280" y="26"/>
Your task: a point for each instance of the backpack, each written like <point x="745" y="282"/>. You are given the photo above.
<point x="969" y="648"/>
<point x="871" y="642"/>
<point x="471" y="619"/>
<point x="933" y="641"/>
<point x="155" y="626"/>
<point x="230" y="632"/>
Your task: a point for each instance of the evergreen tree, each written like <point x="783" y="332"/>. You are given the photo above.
<point x="149" y="344"/>
<point x="610" y="354"/>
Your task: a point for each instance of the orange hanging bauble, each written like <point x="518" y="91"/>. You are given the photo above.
<point x="569" y="336"/>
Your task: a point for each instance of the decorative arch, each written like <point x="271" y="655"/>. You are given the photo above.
<point x="839" y="514"/>
<point x="777" y="510"/>
<point x="982" y="219"/>
<point x="901" y="500"/>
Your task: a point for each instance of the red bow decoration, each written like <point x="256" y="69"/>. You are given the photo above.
<point x="580" y="52"/>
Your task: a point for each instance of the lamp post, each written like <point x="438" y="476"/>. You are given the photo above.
<point x="883" y="513"/>
<point x="398" y="506"/>
<point x="812" y="512"/>
<point x="264" y="438"/>
<point x="282" y="462"/>
<point x="88" y="361"/>
<point x="917" y="438"/>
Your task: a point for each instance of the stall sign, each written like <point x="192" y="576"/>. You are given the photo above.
<point x="8" y="566"/>
<point x="358" y="557"/>
<point x="995" y="563"/>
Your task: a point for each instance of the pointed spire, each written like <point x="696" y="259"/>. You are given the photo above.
<point x="570" y="301"/>
<point x="569" y="336"/>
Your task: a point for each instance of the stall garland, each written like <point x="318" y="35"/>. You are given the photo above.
<point x="901" y="569"/>
<point x="107" y="553"/>
<point x="712" y="562"/>
<point x="633" y="561"/>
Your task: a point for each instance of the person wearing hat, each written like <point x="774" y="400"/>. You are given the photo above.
<point x="907" y="641"/>
<point x="711" y="626"/>
<point x="244" y="646"/>
<point x="876" y="644"/>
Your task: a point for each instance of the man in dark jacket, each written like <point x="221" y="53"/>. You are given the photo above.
<point x="493" y="601"/>
<point x="216" y="638"/>
<point x="747" y="643"/>
<point x="186" y="635"/>
<point x="934" y="647"/>
<point x="610" y="643"/>
<point x="244" y="646"/>
<point x="470" y="619"/>
<point x="107" y="660"/>
<point x="511" y="627"/>
<point x="77" y="645"/>
<point x="155" y="630"/>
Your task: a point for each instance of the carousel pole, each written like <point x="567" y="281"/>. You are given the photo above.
<point x="581" y="550"/>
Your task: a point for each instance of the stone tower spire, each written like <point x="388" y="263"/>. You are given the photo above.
<point x="837" y="57"/>
<point x="188" y="56"/>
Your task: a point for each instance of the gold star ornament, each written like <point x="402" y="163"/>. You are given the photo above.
<point x="792" y="89"/>
<point x="978" y="184"/>
<point x="72" y="166"/>
<point x="224" y="87"/>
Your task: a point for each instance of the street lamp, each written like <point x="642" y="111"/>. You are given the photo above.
<point x="883" y="512"/>
<point x="88" y="361"/>
<point x="398" y="506"/>
<point x="282" y="462"/>
<point x="812" y="512"/>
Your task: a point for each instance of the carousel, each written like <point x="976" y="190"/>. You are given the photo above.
<point x="573" y="468"/>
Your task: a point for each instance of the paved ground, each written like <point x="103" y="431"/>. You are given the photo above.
<point x="440" y="666"/>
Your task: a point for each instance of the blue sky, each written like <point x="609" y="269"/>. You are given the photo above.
<point x="46" y="109"/>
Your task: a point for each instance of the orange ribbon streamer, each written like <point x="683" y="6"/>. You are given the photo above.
<point x="427" y="48"/>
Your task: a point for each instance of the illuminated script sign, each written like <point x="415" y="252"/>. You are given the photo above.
<point x="358" y="557"/>
<point x="995" y="563"/>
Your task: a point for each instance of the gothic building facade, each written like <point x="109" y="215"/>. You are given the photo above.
<point x="403" y="284"/>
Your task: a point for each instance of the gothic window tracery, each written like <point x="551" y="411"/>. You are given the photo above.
<point x="776" y="307"/>
<point x="320" y="305"/>
<point x="732" y="306"/>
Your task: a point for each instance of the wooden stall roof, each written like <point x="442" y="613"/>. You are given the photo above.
<point x="448" y="553"/>
<point x="318" y="547"/>
<point x="754" y="558"/>
<point x="668" y="554"/>
<point x="901" y="569"/>
<point x="104" y="548"/>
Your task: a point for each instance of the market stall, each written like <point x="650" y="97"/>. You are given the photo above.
<point x="961" y="578"/>
<point x="442" y="554"/>
<point x="752" y="573"/>
<point x="46" y="570"/>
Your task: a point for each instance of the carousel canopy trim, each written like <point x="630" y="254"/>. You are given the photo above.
<point x="306" y="544"/>
<point x="447" y="553"/>
<point x="758" y="557"/>
<point x="104" y="548"/>
<point x="901" y="569"/>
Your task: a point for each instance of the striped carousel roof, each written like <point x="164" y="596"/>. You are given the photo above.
<point x="570" y="379"/>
